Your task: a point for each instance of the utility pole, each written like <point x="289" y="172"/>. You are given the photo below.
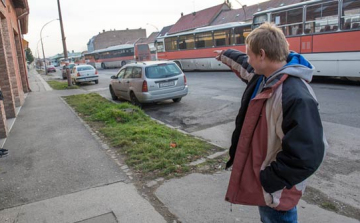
<point x="64" y="45"/>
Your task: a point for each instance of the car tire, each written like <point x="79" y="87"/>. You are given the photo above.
<point x="96" y="82"/>
<point x="134" y="100"/>
<point x="176" y="100"/>
<point x="113" y="96"/>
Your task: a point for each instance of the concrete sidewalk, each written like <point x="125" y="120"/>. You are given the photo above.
<point x="57" y="171"/>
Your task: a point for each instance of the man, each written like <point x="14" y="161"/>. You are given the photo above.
<point x="278" y="141"/>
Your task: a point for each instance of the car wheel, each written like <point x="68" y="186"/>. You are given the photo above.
<point x="176" y="100"/>
<point x="134" y="100"/>
<point x="103" y="66"/>
<point x="123" y="63"/>
<point x="97" y="81"/>
<point x="113" y="96"/>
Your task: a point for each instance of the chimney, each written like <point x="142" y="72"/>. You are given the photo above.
<point x="194" y="13"/>
<point x="103" y="30"/>
<point x="182" y="14"/>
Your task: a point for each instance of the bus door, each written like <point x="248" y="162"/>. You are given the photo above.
<point x="306" y="44"/>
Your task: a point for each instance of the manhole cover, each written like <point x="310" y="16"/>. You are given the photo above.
<point x="105" y="218"/>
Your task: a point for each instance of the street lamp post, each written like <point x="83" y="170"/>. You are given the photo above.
<point x="156" y="49"/>
<point x="64" y="44"/>
<point x="42" y="45"/>
<point x="37" y="48"/>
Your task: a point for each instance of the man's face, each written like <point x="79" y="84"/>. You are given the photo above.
<point x="254" y="60"/>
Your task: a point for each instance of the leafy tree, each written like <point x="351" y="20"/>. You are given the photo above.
<point x="29" y="55"/>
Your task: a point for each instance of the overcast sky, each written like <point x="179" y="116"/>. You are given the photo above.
<point x="84" y="18"/>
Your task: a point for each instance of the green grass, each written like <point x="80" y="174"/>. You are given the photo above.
<point x="145" y="143"/>
<point x="61" y="85"/>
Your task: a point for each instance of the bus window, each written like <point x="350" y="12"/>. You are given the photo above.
<point x="222" y="37"/>
<point x="351" y="14"/>
<point x="204" y="40"/>
<point x="258" y="20"/>
<point x="289" y="21"/>
<point x="238" y="36"/>
<point x="171" y="44"/>
<point x="322" y="17"/>
<point x="186" y="42"/>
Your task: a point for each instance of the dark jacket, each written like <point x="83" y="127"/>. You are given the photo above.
<point x="278" y="141"/>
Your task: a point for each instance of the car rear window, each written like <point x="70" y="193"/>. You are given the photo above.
<point x="85" y="68"/>
<point x="162" y="71"/>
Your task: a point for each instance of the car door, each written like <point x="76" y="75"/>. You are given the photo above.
<point x="126" y="83"/>
<point x="118" y="82"/>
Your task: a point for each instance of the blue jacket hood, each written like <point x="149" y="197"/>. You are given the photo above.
<point x="296" y="66"/>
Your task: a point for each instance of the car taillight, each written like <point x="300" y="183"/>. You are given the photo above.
<point x="185" y="79"/>
<point x="144" y="87"/>
<point x="78" y="74"/>
<point x="96" y="72"/>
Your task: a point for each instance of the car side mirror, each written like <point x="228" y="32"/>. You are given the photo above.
<point x="113" y="77"/>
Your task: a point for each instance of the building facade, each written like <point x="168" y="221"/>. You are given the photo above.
<point x="13" y="72"/>
<point x="114" y="37"/>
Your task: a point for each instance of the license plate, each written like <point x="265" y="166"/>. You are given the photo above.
<point x="167" y="84"/>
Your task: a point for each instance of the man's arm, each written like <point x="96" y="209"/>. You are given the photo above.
<point x="303" y="144"/>
<point x="237" y="61"/>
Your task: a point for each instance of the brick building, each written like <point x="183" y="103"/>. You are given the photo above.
<point x="13" y="72"/>
<point x="114" y="37"/>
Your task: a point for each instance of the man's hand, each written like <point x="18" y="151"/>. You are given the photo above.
<point x="219" y="53"/>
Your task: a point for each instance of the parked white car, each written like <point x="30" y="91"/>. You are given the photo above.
<point x="84" y="73"/>
<point x="145" y="82"/>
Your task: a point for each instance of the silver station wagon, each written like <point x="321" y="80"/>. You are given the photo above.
<point x="146" y="82"/>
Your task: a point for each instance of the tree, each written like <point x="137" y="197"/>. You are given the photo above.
<point x="29" y="55"/>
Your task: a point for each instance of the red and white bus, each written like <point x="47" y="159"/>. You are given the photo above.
<point x="194" y="50"/>
<point x="118" y="56"/>
<point x="326" y="32"/>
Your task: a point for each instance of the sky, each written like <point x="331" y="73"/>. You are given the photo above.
<point x="83" y="19"/>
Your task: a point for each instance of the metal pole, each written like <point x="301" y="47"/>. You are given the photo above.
<point x="42" y="45"/>
<point x="243" y="7"/>
<point x="64" y="43"/>
<point x="156" y="50"/>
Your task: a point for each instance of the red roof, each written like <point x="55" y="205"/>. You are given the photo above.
<point x="198" y="19"/>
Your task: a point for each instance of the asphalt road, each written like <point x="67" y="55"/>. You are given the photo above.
<point x="214" y="98"/>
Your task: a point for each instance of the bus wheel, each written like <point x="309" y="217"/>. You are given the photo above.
<point x="123" y="63"/>
<point x="178" y="63"/>
<point x="103" y="66"/>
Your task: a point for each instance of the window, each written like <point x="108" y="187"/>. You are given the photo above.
<point x="203" y="40"/>
<point x="162" y="71"/>
<point x="222" y="37"/>
<point x="171" y="44"/>
<point x="186" y="42"/>
<point x="136" y="72"/>
<point x="121" y="73"/>
<point x="258" y="20"/>
<point x="351" y="14"/>
<point x="128" y="72"/>
<point x="289" y="21"/>
<point x="322" y="17"/>
<point x="240" y="34"/>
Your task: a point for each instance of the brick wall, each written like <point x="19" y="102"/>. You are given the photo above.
<point x="113" y="38"/>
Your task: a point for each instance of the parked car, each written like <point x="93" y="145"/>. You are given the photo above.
<point x="84" y="73"/>
<point x="50" y="68"/>
<point x="70" y="66"/>
<point x="145" y="82"/>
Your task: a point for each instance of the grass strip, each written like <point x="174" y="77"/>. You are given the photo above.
<point x="150" y="148"/>
<point x="61" y="85"/>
